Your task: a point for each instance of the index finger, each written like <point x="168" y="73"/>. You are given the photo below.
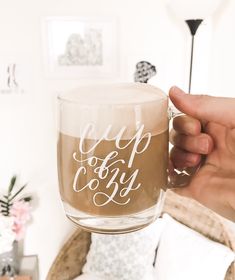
<point x="187" y="125"/>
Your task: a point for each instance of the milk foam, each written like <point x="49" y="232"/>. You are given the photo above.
<point x="118" y="105"/>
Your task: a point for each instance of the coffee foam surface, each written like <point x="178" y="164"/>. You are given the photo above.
<point x="119" y="105"/>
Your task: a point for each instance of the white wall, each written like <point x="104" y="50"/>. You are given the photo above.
<point x="27" y="122"/>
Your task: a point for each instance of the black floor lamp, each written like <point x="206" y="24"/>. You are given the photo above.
<point x="193" y="25"/>
<point x="193" y="12"/>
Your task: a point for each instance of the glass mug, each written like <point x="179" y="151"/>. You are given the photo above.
<point x="113" y="155"/>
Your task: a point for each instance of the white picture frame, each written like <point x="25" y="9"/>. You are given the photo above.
<point x="76" y="47"/>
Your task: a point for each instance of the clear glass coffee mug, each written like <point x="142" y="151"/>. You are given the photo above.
<point x="113" y="155"/>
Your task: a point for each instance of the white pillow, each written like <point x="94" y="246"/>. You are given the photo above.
<point x="185" y="254"/>
<point x="126" y="256"/>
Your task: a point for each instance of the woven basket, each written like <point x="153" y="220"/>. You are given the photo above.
<point x="71" y="258"/>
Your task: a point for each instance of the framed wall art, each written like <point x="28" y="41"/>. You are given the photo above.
<point x="80" y="47"/>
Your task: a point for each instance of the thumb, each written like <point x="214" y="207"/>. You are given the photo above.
<point x="203" y="107"/>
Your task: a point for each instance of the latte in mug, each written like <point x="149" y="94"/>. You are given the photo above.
<point x="113" y="155"/>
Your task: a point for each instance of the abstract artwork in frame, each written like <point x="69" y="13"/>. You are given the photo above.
<point x="80" y="47"/>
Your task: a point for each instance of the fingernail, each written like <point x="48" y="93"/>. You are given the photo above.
<point x="204" y="146"/>
<point x="177" y="90"/>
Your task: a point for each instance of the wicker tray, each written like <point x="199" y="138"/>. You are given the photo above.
<point x="71" y="258"/>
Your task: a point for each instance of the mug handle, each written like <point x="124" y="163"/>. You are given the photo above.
<point x="179" y="177"/>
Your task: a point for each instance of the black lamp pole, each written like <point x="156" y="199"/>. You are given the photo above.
<point x="193" y="25"/>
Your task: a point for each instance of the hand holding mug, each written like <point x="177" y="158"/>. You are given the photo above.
<point x="205" y="138"/>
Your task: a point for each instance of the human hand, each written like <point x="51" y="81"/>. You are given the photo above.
<point x="209" y="155"/>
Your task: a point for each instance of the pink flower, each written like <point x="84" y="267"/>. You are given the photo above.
<point x="21" y="211"/>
